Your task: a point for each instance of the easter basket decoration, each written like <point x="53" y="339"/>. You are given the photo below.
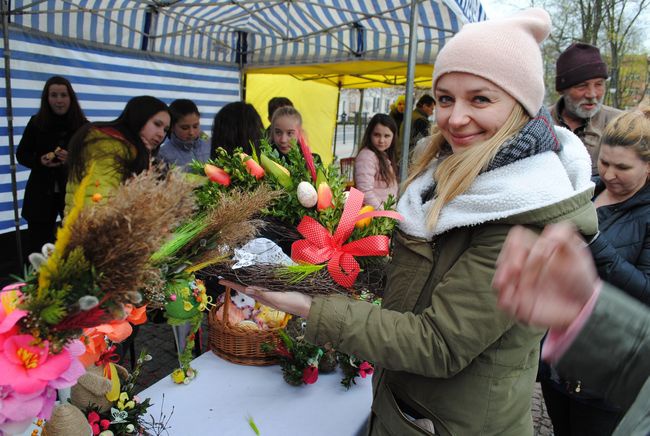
<point x="239" y="343"/>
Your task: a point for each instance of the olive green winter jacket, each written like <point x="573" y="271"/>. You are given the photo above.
<point x="611" y="353"/>
<point x="443" y="349"/>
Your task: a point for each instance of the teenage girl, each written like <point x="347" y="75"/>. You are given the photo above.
<point x="374" y="166"/>
<point x="286" y="129"/>
<point x="186" y="141"/>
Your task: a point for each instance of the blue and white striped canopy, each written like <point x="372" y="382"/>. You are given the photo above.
<point x="256" y="33"/>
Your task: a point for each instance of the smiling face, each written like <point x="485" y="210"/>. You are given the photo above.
<point x="285" y="129"/>
<point x="622" y="170"/>
<point x="470" y="109"/>
<point x="155" y="130"/>
<point x="381" y="137"/>
<point x="188" y="127"/>
<point x="59" y="99"/>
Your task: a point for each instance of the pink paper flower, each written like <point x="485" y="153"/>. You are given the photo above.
<point x="17" y="411"/>
<point x="9" y="312"/>
<point x="76" y="369"/>
<point x="365" y="369"/>
<point x="28" y="368"/>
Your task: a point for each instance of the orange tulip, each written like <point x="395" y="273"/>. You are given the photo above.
<point x="324" y="197"/>
<point x="253" y="168"/>
<point x="217" y="175"/>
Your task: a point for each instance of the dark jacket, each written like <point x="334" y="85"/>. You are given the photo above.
<point x="611" y="354"/>
<point x="622" y="249"/>
<point x="45" y="188"/>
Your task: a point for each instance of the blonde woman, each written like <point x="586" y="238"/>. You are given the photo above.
<point x="622" y="256"/>
<point x="449" y="361"/>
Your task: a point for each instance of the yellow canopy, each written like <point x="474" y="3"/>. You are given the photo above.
<point x="353" y="74"/>
<point x="313" y="89"/>
<point x="315" y="102"/>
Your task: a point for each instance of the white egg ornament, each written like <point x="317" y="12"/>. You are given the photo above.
<point x="307" y="195"/>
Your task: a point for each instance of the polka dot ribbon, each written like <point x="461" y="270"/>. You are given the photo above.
<point x="321" y="246"/>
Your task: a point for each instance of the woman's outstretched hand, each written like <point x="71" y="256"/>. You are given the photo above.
<point x="290" y="302"/>
<point x="546" y="280"/>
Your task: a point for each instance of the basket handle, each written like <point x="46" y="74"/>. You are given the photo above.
<point x="226" y="305"/>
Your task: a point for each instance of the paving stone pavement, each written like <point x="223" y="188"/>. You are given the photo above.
<point x="159" y="342"/>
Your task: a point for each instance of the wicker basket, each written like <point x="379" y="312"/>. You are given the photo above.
<point x="239" y="344"/>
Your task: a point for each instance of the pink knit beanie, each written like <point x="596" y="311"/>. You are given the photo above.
<point x="504" y="51"/>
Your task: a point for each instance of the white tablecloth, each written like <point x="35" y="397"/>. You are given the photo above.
<point x="223" y="396"/>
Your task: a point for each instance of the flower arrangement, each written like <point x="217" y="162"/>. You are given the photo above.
<point x="207" y="238"/>
<point x="89" y="278"/>
<point x="314" y="206"/>
<point x="126" y="413"/>
<point x="301" y="362"/>
<point x="298" y="359"/>
<point x="352" y="368"/>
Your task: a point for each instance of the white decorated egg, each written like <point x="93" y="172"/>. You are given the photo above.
<point x="307" y="195"/>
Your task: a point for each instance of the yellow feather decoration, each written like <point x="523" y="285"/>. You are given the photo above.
<point x="63" y="234"/>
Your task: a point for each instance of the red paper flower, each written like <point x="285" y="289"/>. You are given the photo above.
<point x="310" y="375"/>
<point x="98" y="425"/>
<point x="365" y="369"/>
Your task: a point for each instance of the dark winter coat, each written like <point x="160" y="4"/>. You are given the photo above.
<point x="45" y="188"/>
<point x="622" y="249"/>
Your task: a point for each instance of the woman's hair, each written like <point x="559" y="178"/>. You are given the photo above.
<point x="630" y="129"/>
<point x="237" y="125"/>
<point x="456" y="172"/>
<point x="45" y="118"/>
<point x="180" y="108"/>
<point x="286" y="111"/>
<point x="135" y="115"/>
<point x="387" y="171"/>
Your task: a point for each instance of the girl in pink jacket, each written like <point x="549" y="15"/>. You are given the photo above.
<point x="374" y="166"/>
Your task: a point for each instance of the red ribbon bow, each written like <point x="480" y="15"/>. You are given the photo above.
<point x="108" y="356"/>
<point x="321" y="246"/>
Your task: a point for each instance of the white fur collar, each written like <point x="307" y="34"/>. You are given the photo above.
<point x="522" y="186"/>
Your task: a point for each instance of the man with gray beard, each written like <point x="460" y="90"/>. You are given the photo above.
<point x="581" y="77"/>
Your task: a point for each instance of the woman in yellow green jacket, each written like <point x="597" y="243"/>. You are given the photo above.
<point x="118" y="148"/>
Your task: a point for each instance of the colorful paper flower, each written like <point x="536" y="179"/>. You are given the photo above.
<point x="17" y="411"/>
<point x="310" y="374"/>
<point x="28" y="366"/>
<point x="98" y="425"/>
<point x="124" y="402"/>
<point x="10" y="297"/>
<point x="365" y="369"/>
<point x="70" y="376"/>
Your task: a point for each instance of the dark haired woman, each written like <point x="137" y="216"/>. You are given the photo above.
<point x="237" y="124"/>
<point x="118" y="148"/>
<point x="186" y="142"/>
<point x="43" y="149"/>
<point x="374" y="166"/>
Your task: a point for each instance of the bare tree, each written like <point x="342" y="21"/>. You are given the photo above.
<point x="611" y="25"/>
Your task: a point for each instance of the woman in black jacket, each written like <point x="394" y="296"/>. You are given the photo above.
<point x="622" y="248"/>
<point x="621" y="251"/>
<point x="43" y="149"/>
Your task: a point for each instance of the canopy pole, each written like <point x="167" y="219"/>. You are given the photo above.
<point x="410" y="77"/>
<point x="336" y="121"/>
<point x="358" y="125"/>
<point x="10" y="129"/>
